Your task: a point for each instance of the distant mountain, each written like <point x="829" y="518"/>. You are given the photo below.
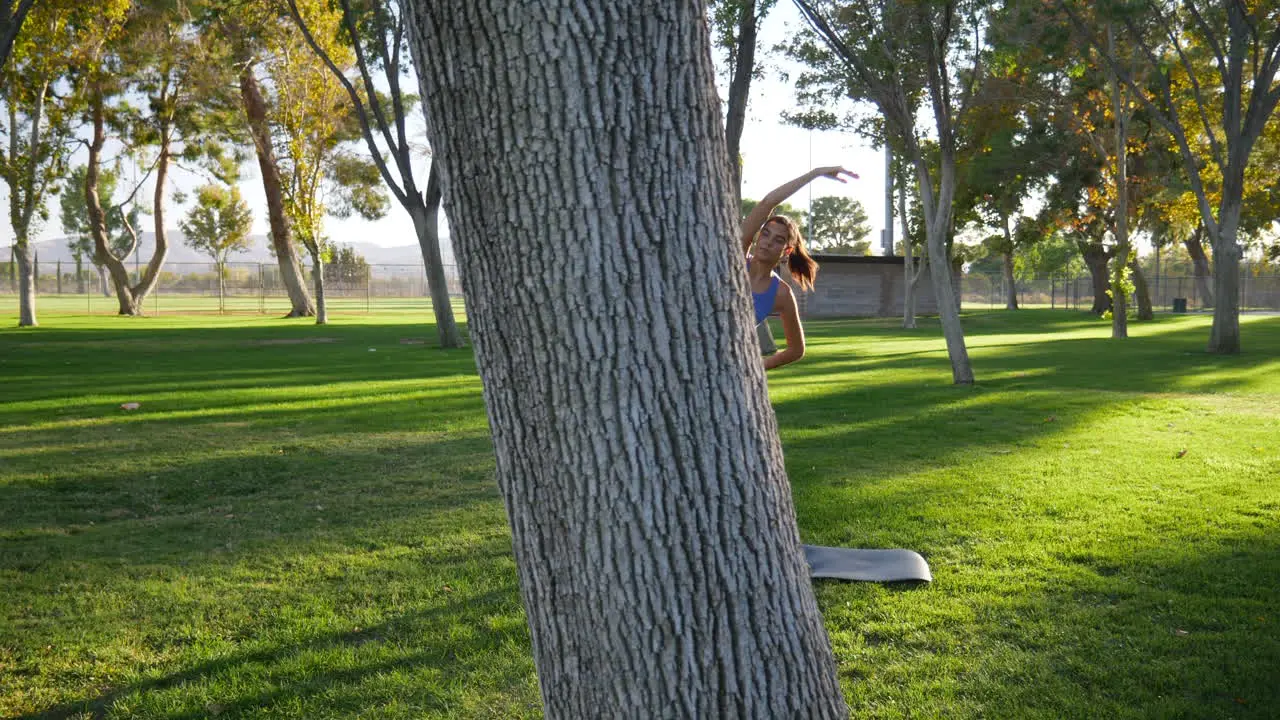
<point x="51" y="251"/>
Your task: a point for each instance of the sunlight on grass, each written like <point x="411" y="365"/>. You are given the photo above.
<point x="293" y="529"/>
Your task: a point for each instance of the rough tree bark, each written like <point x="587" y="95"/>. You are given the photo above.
<point x="255" y="111"/>
<point x="651" y="519"/>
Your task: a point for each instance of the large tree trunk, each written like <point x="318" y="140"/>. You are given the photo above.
<point x="255" y="111"/>
<point x="426" y="225"/>
<point x="1224" y="337"/>
<point x="655" y="539"/>
<point x="1200" y="261"/>
<point x="1096" y="256"/>
<point x="1141" y="291"/>
<point x="26" y="284"/>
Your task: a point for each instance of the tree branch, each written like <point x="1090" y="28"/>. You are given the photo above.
<point x="363" y="113"/>
<point x="1210" y="37"/>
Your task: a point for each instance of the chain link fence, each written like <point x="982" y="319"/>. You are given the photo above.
<point x="193" y="288"/>
<point x="1169" y="293"/>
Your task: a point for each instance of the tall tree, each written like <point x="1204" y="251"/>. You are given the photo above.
<point x="374" y="32"/>
<point x="839" y="226"/>
<point x="251" y="29"/>
<point x="181" y="76"/>
<point x="1243" y="42"/>
<point x="313" y="125"/>
<point x="35" y="133"/>
<point x="894" y="56"/>
<point x="610" y="319"/>
<point x="218" y="225"/>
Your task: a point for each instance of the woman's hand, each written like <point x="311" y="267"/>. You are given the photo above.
<point x="835" y="172"/>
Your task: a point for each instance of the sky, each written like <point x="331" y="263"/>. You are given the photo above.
<point x="772" y="152"/>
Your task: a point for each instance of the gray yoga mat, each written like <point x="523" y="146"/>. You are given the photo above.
<point x="866" y="565"/>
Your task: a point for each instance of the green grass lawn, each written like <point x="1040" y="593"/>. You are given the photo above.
<point x="301" y="521"/>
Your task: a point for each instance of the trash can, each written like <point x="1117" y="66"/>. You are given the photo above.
<point x="1180" y="305"/>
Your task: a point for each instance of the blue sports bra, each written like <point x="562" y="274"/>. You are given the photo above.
<point x="763" y="301"/>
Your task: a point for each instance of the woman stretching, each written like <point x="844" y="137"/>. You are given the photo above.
<point x="767" y="241"/>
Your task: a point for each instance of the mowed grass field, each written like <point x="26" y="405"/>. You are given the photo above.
<point x="302" y="521"/>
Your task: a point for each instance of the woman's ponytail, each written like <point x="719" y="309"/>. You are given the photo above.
<point x="804" y="269"/>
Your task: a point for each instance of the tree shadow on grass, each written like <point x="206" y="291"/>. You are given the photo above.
<point x="184" y="510"/>
<point x="434" y="666"/>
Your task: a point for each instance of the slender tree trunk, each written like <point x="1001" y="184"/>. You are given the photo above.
<point x="744" y="61"/>
<point x="80" y="285"/>
<point x="909" y="277"/>
<point x="255" y="110"/>
<point x="1200" y="263"/>
<point x="654" y="535"/>
<point x="426" y="225"/>
<point x="937" y="231"/>
<point x="26" y="283"/>
<point x="1010" y="283"/>
<point x="1141" y="291"/>
<point x="97" y="218"/>
<point x="1119" y="286"/>
<point x="739" y="93"/>
<point x="317" y="271"/>
<point x="104" y="282"/>
<point x="160" y="252"/>
<point x="910" y="264"/>
<point x="222" y="287"/>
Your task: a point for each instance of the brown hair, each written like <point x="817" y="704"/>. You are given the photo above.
<point x="804" y="269"/>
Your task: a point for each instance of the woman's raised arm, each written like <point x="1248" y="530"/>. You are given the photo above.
<point x="752" y="223"/>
